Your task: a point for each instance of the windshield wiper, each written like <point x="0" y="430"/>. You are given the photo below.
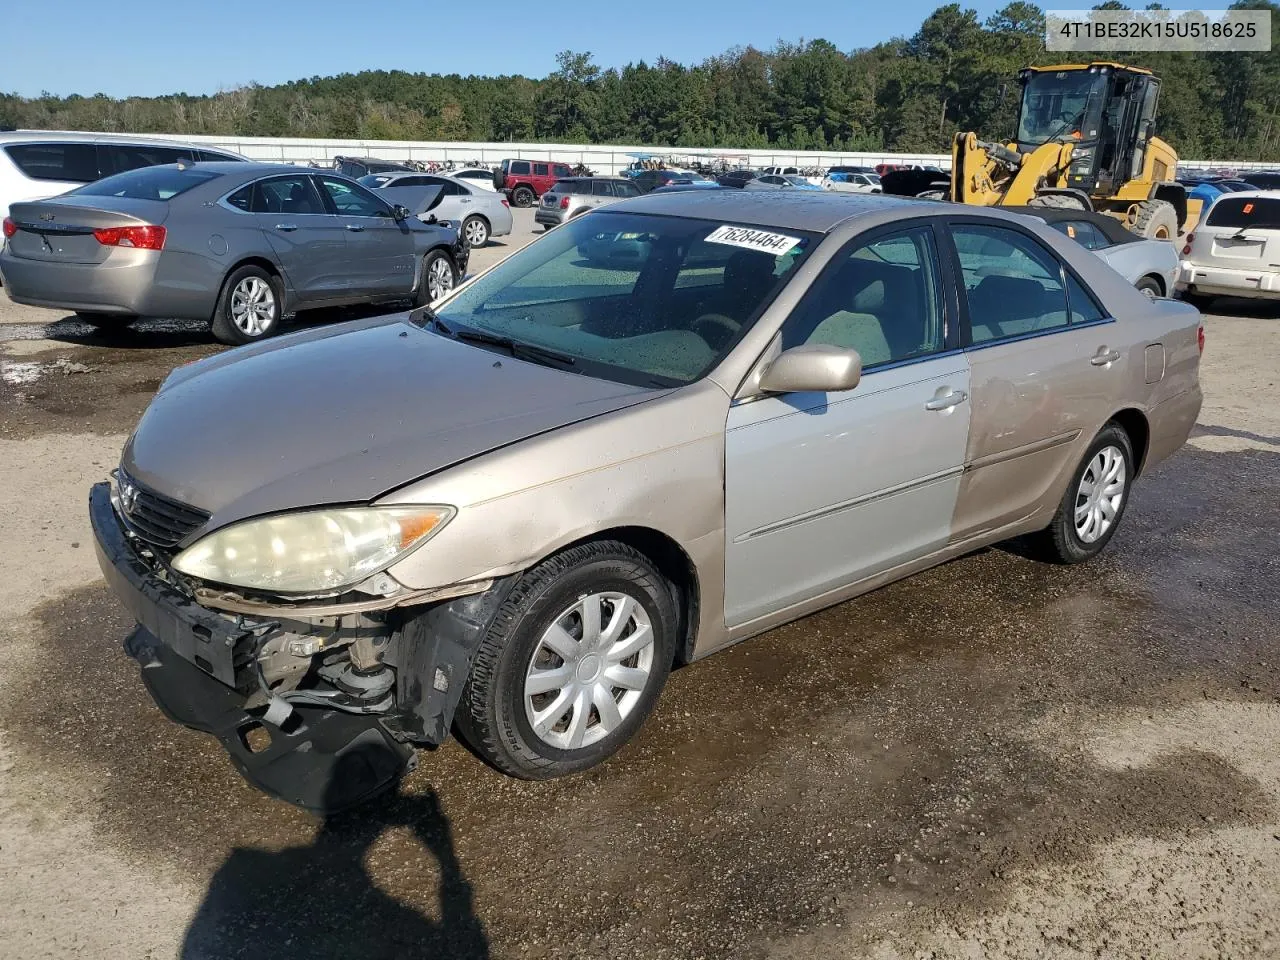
<point x="517" y="349"/>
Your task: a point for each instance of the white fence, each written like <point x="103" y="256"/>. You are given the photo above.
<point x="601" y="159"/>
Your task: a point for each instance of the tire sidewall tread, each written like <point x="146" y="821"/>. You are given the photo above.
<point x="224" y="328"/>
<point x="1059" y="541"/>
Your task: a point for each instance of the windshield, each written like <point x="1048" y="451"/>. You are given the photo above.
<point x="149" y="183"/>
<point x="1059" y="105"/>
<point x="655" y="301"/>
<point x="798" y="181"/>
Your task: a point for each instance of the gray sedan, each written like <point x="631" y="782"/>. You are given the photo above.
<point x="482" y="213"/>
<point x="238" y="244"/>
<point x="511" y="515"/>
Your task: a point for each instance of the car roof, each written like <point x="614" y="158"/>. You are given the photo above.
<point x="80" y="136"/>
<point x="817" y="211"/>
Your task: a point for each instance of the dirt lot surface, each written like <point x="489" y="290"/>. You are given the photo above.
<point x="996" y="758"/>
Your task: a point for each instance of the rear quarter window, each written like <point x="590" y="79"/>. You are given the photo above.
<point x="72" y="162"/>
<point x="149" y="183"/>
<point x="1242" y="212"/>
<point x="519" y="166"/>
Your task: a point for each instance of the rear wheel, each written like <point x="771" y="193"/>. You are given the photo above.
<point x="1156" y="220"/>
<point x="522" y="197"/>
<point x="1150" y="286"/>
<point x="476" y="230"/>
<point x="1094" y="503"/>
<point x="249" y="308"/>
<point x="573" y="663"/>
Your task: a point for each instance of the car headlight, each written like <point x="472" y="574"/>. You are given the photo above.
<point x="313" y="550"/>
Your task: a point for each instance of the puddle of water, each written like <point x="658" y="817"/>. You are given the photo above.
<point x="74" y="330"/>
<point x="21" y="374"/>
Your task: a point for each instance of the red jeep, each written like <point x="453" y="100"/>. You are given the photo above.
<point x="523" y="181"/>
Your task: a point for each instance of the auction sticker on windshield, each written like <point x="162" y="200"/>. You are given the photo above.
<point x="746" y="237"/>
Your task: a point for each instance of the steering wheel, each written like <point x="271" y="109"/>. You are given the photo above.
<point x="716" y="329"/>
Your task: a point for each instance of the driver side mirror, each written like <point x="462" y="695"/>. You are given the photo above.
<point x="813" y="368"/>
<point x="400" y="212"/>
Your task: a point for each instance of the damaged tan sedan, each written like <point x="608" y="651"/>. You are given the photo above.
<point x="654" y="432"/>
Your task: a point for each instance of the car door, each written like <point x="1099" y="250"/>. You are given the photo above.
<point x="824" y="490"/>
<point x="601" y="193"/>
<point x="309" y="243"/>
<point x="380" y="250"/>
<point x="1045" y="375"/>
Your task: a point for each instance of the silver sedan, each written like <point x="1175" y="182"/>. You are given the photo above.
<point x="482" y="213"/>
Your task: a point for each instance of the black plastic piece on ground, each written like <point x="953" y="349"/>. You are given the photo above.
<point x="310" y="762"/>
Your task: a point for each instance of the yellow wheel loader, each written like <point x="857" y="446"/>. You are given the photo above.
<point x="1085" y="139"/>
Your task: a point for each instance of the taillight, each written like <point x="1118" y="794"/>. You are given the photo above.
<point x="564" y="203"/>
<point x="1187" y="248"/>
<point x="144" y="238"/>
<point x="10" y="228"/>
<point x="1200" y="338"/>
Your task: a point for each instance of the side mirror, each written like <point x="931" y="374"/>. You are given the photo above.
<point x="400" y="212"/>
<point x="813" y="368"/>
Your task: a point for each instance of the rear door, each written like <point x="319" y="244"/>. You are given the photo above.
<point x="1046" y="372"/>
<point x="601" y="193"/>
<point x="380" y="251"/>
<point x="824" y="490"/>
<point x="541" y="179"/>
<point x="308" y="241"/>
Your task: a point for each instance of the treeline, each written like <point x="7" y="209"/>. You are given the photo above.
<point x="956" y="73"/>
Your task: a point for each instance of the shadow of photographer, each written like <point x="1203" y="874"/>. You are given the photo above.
<point x="320" y="900"/>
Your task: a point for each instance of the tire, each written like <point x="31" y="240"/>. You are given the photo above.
<point x="260" y="317"/>
<point x="494" y="716"/>
<point x="1056" y="201"/>
<point x="1156" y="220"/>
<point x="1150" y="286"/>
<point x="1062" y="540"/>
<point x="476" y="230"/>
<point x="439" y="276"/>
<point x="522" y="196"/>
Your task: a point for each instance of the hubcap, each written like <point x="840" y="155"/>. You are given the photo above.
<point x="477" y="233"/>
<point x="253" y="306"/>
<point x="439" y="279"/>
<point x="589" y="670"/>
<point x="1101" y="491"/>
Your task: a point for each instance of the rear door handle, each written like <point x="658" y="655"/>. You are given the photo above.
<point x="947" y="401"/>
<point x="287" y="227"/>
<point x="355" y="227"/>
<point x="1104" y="357"/>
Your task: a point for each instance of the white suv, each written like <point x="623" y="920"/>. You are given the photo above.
<point x="35" y="164"/>
<point x="1234" y="250"/>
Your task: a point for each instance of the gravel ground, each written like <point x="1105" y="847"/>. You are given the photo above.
<point x="995" y="758"/>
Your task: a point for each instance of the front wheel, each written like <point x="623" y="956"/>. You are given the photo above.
<point x="249" y="307"/>
<point x="1095" y="500"/>
<point x="572" y="664"/>
<point x="439" y="277"/>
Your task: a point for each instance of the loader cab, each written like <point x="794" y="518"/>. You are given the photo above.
<point x="1106" y="110"/>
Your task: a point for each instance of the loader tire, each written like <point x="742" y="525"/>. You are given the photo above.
<point x="1156" y="220"/>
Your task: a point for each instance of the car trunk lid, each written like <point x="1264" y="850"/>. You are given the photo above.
<point x="61" y="231"/>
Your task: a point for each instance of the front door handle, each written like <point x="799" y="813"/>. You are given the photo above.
<point x="355" y="227"/>
<point x="947" y="401"/>
<point x="287" y="227"/>
<point x="1104" y="357"/>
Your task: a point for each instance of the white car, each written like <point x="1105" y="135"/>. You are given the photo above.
<point x="481" y="214"/>
<point x="1150" y="265"/>
<point x="791" y="172"/>
<point x="481" y="177"/>
<point x="852" y="182"/>
<point x="37" y="164"/>
<point x="1234" y="250"/>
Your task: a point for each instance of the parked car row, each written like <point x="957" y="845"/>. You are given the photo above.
<point x="482" y="213"/>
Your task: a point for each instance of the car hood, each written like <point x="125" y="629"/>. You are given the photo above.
<point x="343" y="415"/>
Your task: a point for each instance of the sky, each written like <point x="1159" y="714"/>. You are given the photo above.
<point x="148" y="47"/>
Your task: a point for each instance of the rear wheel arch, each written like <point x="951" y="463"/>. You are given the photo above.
<point x="1134" y="423"/>
<point x="1154" y="280"/>
<point x="267" y="265"/>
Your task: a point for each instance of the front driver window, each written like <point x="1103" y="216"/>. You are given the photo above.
<point x="353" y="200"/>
<point x="880" y="299"/>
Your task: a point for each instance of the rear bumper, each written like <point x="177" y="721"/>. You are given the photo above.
<point x="1228" y="281"/>
<point x="127" y="288"/>
<point x="195" y="664"/>
<point x="549" y="216"/>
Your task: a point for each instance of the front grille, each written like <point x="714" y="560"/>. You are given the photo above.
<point x="156" y="519"/>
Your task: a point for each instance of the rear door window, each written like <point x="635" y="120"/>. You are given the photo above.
<point x="121" y="157"/>
<point x="627" y="189"/>
<point x="520" y="167"/>
<point x="560" y="169"/>
<point x="288" y="195"/>
<point x="1014" y="287"/>
<point x="541" y="170"/>
<point x="72" y="162"/>
<point x="601" y="188"/>
<point x="1262" y="213"/>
